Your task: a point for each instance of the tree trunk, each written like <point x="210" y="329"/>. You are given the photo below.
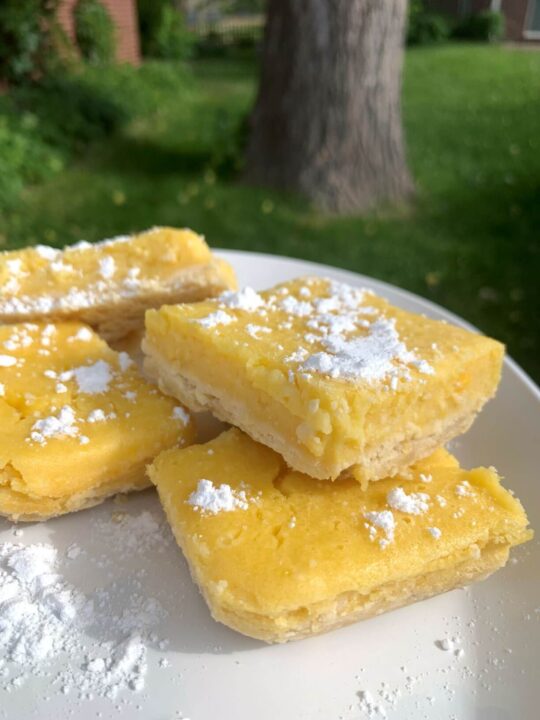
<point x="327" y="120"/>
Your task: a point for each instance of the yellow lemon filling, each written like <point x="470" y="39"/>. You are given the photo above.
<point x="78" y="421"/>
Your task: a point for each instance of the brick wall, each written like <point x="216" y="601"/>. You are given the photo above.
<point x="515" y="12"/>
<point x="124" y="15"/>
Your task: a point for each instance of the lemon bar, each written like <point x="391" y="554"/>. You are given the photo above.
<point x="110" y="284"/>
<point x="332" y="377"/>
<point x="280" y="556"/>
<point x="78" y="422"/>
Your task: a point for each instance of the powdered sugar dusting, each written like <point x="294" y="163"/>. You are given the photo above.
<point x="370" y="706"/>
<point x="299" y="308"/>
<point x="39" y="611"/>
<point x="125" y="361"/>
<point x="383" y="520"/>
<point x="356" y="341"/>
<point x="212" y="499"/>
<point x="93" y="379"/>
<point x="124" y="668"/>
<point x="464" y="489"/>
<point x="255" y="331"/>
<point x="46" y="252"/>
<point x="91" y="644"/>
<point x="83" y="334"/>
<point x="129" y="533"/>
<point x="179" y="413"/>
<point x="14" y="266"/>
<point x="373" y="357"/>
<point x="412" y="504"/>
<point x="216" y="318"/>
<point x="244" y="299"/>
<point x="107" y="267"/>
<point x="55" y="426"/>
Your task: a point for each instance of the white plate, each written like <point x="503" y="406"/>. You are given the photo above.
<point x="216" y="673"/>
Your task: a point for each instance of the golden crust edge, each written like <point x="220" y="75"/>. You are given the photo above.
<point x="352" y="606"/>
<point x="133" y="480"/>
<point x="388" y="460"/>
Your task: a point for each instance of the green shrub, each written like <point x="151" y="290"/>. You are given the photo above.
<point x="211" y="45"/>
<point x="27" y="38"/>
<point x="172" y="41"/>
<point x="43" y="125"/>
<point x="25" y="157"/>
<point x="425" y="27"/>
<point x="235" y="46"/>
<point x="149" y="15"/>
<point x="71" y="110"/>
<point x="163" y="31"/>
<point x="139" y="90"/>
<point x="231" y="137"/>
<point x="484" y="26"/>
<point x="95" y="32"/>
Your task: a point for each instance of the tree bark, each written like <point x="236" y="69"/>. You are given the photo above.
<point x="327" y="119"/>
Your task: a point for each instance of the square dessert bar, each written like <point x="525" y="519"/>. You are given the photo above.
<point x="78" y="422"/>
<point x="110" y="284"/>
<point x="280" y="556"/>
<point x="330" y="376"/>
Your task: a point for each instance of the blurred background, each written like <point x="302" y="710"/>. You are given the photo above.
<point x="117" y="115"/>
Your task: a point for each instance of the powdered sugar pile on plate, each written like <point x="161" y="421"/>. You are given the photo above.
<point x="86" y="645"/>
<point x="40" y="614"/>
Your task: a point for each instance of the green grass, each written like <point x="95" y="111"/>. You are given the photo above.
<point x="469" y="241"/>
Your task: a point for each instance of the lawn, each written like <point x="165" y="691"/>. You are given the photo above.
<point x="470" y="240"/>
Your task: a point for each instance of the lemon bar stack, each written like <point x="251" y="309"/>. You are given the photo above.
<point x="78" y="421"/>
<point x="332" y="499"/>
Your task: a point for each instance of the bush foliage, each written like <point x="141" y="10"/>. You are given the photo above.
<point x="172" y="41"/>
<point x="43" y="125"/>
<point x="28" y="35"/>
<point x="163" y="30"/>
<point x="95" y="32"/>
<point x="425" y="27"/>
<point x="26" y="158"/>
<point x="484" y="26"/>
<point x="72" y="109"/>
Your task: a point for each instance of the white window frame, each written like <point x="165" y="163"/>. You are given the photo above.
<point x="530" y="34"/>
